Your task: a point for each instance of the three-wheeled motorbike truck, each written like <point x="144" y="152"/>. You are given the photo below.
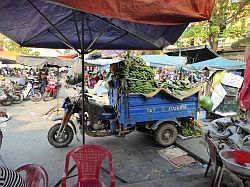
<point x="159" y="116"/>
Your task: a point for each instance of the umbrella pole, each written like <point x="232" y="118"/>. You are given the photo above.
<point x="83" y="72"/>
<point x="82" y="120"/>
<point x="57" y="109"/>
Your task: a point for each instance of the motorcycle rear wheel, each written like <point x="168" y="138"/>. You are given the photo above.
<point x="66" y="139"/>
<point x="8" y="101"/>
<point x="18" y="98"/>
<point x="36" y="97"/>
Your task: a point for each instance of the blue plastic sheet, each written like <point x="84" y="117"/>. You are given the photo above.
<point x="164" y="61"/>
<point x="218" y="63"/>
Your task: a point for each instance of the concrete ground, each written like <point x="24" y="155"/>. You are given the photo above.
<point x="135" y="158"/>
<point x="196" y="147"/>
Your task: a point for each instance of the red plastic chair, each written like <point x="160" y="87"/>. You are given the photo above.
<point x="216" y="160"/>
<point x="34" y="174"/>
<point x="88" y="160"/>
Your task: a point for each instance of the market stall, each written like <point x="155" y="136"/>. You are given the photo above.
<point x="224" y="79"/>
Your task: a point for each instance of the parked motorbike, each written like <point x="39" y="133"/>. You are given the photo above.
<point x="17" y="94"/>
<point x="5" y="97"/>
<point x="51" y="90"/>
<point x="30" y="93"/>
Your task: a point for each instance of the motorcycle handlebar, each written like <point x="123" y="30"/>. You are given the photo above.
<point x="89" y="96"/>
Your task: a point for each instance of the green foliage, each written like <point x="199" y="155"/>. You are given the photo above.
<point x="151" y="52"/>
<point x="235" y="31"/>
<point x="227" y="21"/>
<point x="196" y="30"/>
<point x="12" y="46"/>
<point x="189" y="128"/>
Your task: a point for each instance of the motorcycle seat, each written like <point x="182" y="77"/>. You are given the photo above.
<point x="108" y="109"/>
<point x="107" y="116"/>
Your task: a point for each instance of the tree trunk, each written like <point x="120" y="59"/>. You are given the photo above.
<point x="213" y="41"/>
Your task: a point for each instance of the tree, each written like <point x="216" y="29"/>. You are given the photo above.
<point x="12" y="46"/>
<point x="227" y="21"/>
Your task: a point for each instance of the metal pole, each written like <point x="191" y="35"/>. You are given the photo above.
<point x="57" y="110"/>
<point x="83" y="120"/>
<point x="83" y="71"/>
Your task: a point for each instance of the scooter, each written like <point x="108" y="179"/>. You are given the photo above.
<point x="31" y="93"/>
<point x="51" y="90"/>
<point x="17" y="94"/>
<point x="5" y="97"/>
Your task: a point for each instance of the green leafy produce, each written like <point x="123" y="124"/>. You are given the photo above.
<point x="140" y="78"/>
<point x="189" y="128"/>
<point x="177" y="87"/>
<point x="138" y="86"/>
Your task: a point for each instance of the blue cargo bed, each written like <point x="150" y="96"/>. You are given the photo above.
<point x="136" y="108"/>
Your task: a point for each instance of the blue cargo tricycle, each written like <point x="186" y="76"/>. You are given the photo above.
<point x="159" y="116"/>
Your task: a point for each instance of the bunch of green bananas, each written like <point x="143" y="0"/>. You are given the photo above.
<point x="138" y="86"/>
<point x="140" y="78"/>
<point x="134" y="68"/>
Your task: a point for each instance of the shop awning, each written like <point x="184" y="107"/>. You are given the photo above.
<point x="164" y="61"/>
<point x="39" y="62"/>
<point x="218" y="63"/>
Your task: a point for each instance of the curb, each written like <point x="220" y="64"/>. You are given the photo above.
<point x="195" y="156"/>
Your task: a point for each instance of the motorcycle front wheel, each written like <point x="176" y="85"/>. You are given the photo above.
<point x="8" y="101"/>
<point x="63" y="141"/>
<point x="18" y="98"/>
<point x="36" y="97"/>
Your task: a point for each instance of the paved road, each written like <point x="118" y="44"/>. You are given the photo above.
<point x="135" y="157"/>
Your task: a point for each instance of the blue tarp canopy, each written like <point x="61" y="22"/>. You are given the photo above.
<point x="164" y="60"/>
<point x="37" y="23"/>
<point x="218" y="63"/>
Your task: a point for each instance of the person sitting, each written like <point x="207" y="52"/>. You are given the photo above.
<point x="11" y="178"/>
<point x="93" y="80"/>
